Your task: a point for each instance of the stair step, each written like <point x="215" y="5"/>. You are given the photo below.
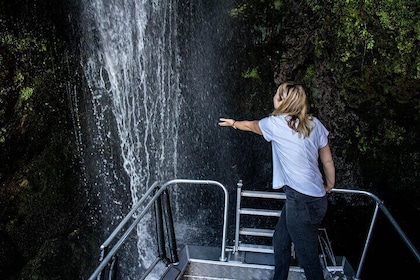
<point x="257" y="232"/>
<point x="260" y="194"/>
<point x="256" y="248"/>
<point x="260" y="212"/>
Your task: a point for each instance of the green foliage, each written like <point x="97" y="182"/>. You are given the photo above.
<point x="24" y="64"/>
<point x="26" y="93"/>
<point x="251" y="74"/>
<point x="370" y="32"/>
<point x="372" y="49"/>
<point x="238" y="11"/>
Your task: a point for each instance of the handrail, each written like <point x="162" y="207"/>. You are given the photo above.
<point x="128" y="216"/>
<point x="119" y="243"/>
<point x="105" y="259"/>
<point x="123" y="238"/>
<point x="379" y="205"/>
<point x="225" y="215"/>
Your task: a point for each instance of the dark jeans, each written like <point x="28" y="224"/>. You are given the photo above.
<point x="299" y="222"/>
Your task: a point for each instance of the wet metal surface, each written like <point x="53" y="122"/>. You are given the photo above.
<point x="199" y="263"/>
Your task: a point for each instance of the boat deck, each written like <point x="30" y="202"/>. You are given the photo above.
<point x="202" y="262"/>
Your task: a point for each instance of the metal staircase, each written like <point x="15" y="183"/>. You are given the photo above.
<point x="241" y="231"/>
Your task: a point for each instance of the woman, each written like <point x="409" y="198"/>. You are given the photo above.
<point x="298" y="140"/>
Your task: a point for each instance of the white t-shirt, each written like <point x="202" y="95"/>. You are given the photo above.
<point x="295" y="160"/>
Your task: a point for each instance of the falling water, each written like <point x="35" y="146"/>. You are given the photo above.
<point x="156" y="84"/>
<point x="136" y="65"/>
<point x="134" y="73"/>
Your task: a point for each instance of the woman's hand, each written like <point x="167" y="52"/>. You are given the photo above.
<point x="328" y="188"/>
<point x="226" y="122"/>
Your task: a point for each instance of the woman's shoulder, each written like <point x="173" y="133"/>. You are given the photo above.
<point x="274" y="117"/>
<point x="318" y="124"/>
<point x="281" y="118"/>
<point x="274" y="121"/>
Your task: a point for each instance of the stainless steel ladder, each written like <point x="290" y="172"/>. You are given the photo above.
<point x="241" y="231"/>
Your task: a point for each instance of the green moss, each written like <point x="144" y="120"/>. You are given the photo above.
<point x="251" y="74"/>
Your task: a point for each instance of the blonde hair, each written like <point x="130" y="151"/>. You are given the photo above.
<point x="295" y="105"/>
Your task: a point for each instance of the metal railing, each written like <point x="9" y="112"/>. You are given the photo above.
<point x="106" y="256"/>
<point x="379" y="205"/>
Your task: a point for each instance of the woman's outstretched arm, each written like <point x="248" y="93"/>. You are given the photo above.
<point x="241" y="125"/>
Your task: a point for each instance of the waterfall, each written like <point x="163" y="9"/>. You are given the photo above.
<point x="157" y="80"/>
<point x="136" y="66"/>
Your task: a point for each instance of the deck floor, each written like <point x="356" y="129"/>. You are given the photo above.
<point x="202" y="263"/>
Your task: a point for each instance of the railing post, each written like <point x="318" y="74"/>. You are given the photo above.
<point x="159" y="229"/>
<point x="369" y="236"/>
<point x="170" y="226"/>
<point x="238" y="207"/>
<point x="103" y="252"/>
